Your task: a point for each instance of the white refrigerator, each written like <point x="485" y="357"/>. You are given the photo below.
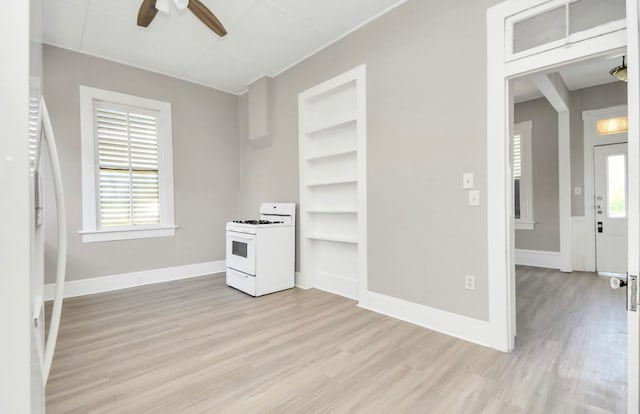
<point x="27" y="153"/>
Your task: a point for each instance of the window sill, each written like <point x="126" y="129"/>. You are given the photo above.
<point x="525" y="225"/>
<point x="92" y="236"/>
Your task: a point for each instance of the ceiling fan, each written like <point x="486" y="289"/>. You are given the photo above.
<point x="149" y="9"/>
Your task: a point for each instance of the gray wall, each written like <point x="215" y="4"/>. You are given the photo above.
<point x="544" y="157"/>
<point x="596" y="97"/>
<point x="205" y="154"/>
<point x="426" y="127"/>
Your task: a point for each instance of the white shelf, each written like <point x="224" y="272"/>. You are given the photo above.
<point x="332" y="157"/>
<point x="336" y="182"/>
<point x="332" y="211"/>
<point x="332" y="154"/>
<point x="339" y="239"/>
<point x="336" y="124"/>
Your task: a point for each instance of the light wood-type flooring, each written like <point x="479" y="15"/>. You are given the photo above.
<point x="198" y="346"/>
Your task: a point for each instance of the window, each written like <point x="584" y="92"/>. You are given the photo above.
<point x="127" y="167"/>
<point x="522" y="176"/>
<point x="616" y="186"/>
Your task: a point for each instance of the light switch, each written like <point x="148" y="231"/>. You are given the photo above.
<point x="467" y="180"/>
<point x="577" y="191"/>
<point x="474" y="198"/>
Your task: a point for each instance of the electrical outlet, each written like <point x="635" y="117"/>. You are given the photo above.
<point x="470" y="282"/>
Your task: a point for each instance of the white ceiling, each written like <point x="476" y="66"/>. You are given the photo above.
<point x="576" y="76"/>
<point x="265" y="36"/>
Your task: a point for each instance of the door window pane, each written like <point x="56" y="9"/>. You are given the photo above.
<point x="616" y="186"/>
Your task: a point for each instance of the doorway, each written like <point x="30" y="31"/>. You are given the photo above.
<point x="606" y="192"/>
<point x="508" y="24"/>
<point x="576" y="310"/>
<point x="610" y="177"/>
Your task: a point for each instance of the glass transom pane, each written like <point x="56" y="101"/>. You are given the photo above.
<point x="586" y="14"/>
<point x="540" y="29"/>
<point x="616" y="186"/>
<point x="611" y="126"/>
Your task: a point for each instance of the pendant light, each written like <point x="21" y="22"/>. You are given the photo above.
<point x="620" y="72"/>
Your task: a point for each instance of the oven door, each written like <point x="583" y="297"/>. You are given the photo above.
<point x="241" y="252"/>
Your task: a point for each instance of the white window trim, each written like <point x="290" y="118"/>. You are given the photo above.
<point x="526" y="221"/>
<point x="90" y="231"/>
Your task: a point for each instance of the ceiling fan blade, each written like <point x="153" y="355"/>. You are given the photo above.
<point x="209" y="19"/>
<point x="147" y="12"/>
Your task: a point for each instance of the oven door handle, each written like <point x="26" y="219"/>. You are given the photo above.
<point x="237" y="236"/>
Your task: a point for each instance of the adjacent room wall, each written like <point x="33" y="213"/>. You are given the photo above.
<point x="205" y="154"/>
<point x="426" y="127"/>
<point x="544" y="157"/>
<point x="546" y="236"/>
<point x="596" y="97"/>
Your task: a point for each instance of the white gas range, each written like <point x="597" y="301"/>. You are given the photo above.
<point x="261" y="253"/>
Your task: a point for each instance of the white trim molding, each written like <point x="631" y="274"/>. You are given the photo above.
<point x="448" y="323"/>
<point x="121" y="234"/>
<point x="302" y="281"/>
<point x="538" y="258"/>
<point x="102" y="284"/>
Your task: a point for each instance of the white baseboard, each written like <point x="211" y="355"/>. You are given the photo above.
<point x="469" y="329"/>
<point x="101" y="284"/>
<point x="302" y="281"/>
<point x="337" y="284"/>
<point x="538" y="258"/>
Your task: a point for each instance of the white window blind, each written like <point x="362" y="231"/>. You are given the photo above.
<point x="517" y="157"/>
<point x="34" y="127"/>
<point x="127" y="163"/>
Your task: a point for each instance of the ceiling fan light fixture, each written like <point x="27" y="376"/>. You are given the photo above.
<point x="163" y="6"/>
<point x="181" y="4"/>
<point x="620" y="72"/>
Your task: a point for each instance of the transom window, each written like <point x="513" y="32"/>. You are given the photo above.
<point x="127" y="166"/>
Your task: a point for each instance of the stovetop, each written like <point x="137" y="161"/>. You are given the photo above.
<point x="256" y="222"/>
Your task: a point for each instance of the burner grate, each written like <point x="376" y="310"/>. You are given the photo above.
<point x="255" y="222"/>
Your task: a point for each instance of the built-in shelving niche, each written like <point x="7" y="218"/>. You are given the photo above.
<point x="333" y="184"/>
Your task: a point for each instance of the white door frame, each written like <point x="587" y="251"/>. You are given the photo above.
<point x="501" y="268"/>
<point x="633" y="237"/>
<point x="590" y="118"/>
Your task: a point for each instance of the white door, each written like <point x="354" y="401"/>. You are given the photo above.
<point x="610" y="182"/>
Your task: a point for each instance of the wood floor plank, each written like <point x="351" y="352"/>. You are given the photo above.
<point x="198" y="346"/>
